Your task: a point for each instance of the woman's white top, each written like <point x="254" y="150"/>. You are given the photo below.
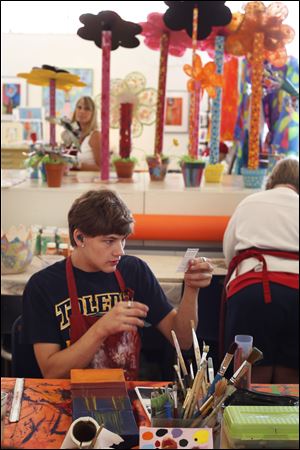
<point x="86" y="154"/>
<point x="267" y="220"/>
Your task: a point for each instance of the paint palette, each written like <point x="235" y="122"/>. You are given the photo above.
<point x="154" y="438"/>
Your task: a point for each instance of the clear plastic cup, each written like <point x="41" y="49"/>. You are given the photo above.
<point x="245" y="344"/>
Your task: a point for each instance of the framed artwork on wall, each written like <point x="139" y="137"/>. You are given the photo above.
<point x="28" y="113"/>
<point x="29" y="127"/>
<point x="13" y="94"/>
<point x="176" y="112"/>
<point x="66" y="101"/>
<point x="11" y="133"/>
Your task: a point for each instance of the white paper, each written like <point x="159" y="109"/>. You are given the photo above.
<point x="189" y="254"/>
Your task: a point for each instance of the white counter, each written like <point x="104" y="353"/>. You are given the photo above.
<point x="32" y="202"/>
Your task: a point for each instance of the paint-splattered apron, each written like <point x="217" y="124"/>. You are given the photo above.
<point x="120" y="350"/>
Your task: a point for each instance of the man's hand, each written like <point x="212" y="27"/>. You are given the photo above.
<point x="124" y="316"/>
<point x="199" y="273"/>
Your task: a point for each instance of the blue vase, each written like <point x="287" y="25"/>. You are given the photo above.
<point x="34" y="173"/>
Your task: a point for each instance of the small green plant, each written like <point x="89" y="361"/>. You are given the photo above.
<point x="190" y="159"/>
<point x="128" y="159"/>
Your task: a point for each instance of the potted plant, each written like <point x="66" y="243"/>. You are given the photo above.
<point x="192" y="170"/>
<point x="124" y="163"/>
<point x="55" y="161"/>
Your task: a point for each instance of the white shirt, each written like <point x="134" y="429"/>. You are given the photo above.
<point x="267" y="220"/>
<point x="86" y="154"/>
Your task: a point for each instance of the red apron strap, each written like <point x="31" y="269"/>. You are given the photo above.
<point x="128" y="294"/>
<point x="77" y="324"/>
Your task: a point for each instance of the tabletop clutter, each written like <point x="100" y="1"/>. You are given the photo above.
<point x="198" y="410"/>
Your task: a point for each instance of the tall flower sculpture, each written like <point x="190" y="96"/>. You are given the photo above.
<point x="159" y="37"/>
<point x="132" y="89"/>
<point x="198" y="19"/>
<point x="108" y="31"/>
<point x="55" y="78"/>
<point x="261" y="36"/>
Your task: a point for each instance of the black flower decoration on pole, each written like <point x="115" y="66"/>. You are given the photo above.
<point x="179" y="16"/>
<point x="122" y="32"/>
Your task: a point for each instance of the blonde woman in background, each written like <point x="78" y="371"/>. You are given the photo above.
<point x="85" y="114"/>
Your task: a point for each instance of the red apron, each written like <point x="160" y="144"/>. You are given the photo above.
<point x="120" y="350"/>
<point x="245" y="254"/>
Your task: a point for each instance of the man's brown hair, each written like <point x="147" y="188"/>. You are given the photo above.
<point x="97" y="213"/>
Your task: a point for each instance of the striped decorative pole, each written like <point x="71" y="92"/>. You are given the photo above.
<point x="106" y="47"/>
<point x="216" y="105"/>
<point x="160" y="109"/>
<point x="52" y="86"/>
<point x="256" y="99"/>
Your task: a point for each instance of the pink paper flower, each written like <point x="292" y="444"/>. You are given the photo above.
<point x="155" y="27"/>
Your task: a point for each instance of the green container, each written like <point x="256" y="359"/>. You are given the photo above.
<point x="260" y="427"/>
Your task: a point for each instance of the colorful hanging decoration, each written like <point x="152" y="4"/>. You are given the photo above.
<point x="108" y="31"/>
<point x="229" y="100"/>
<point x="132" y="89"/>
<point x="280" y="109"/>
<point x="260" y="36"/>
<point x="259" y="18"/>
<point x="159" y="37"/>
<point x="55" y="78"/>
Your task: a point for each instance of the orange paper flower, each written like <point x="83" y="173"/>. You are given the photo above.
<point x="205" y="75"/>
<point x="267" y="20"/>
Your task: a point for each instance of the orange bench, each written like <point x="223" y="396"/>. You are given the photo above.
<point x="179" y="228"/>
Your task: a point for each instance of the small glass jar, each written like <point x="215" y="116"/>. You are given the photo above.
<point x="51" y="248"/>
<point x="63" y="249"/>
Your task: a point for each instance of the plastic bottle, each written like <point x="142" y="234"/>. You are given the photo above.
<point x="63" y="249"/>
<point x="245" y="343"/>
<point x="51" y="248"/>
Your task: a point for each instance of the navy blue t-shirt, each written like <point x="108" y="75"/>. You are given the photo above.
<point x="47" y="305"/>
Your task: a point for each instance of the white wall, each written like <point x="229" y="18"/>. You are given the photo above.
<point x="21" y="52"/>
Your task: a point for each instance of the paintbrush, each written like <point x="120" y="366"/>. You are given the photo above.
<point x="254" y="356"/>
<point x="210" y="369"/>
<point x="204" y="353"/>
<point x="223" y="367"/>
<point x="181" y="360"/>
<point x="196" y="346"/>
<point x="93" y="443"/>
<point x="176" y="367"/>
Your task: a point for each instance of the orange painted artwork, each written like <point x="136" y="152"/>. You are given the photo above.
<point x="174" y="109"/>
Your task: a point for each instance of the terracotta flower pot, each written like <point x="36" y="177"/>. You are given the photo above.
<point x="54" y="174"/>
<point x="157" y="167"/>
<point x="124" y="169"/>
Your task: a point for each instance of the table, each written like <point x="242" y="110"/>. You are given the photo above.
<point x="46" y="413"/>
<point x="163" y="266"/>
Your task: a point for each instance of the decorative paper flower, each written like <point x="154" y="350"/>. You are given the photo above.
<point x="207" y="76"/>
<point x="179" y="16"/>
<point x="267" y="20"/>
<point x="132" y="90"/>
<point x="122" y="32"/>
<point x="153" y="30"/>
<point x="208" y="44"/>
<point x="41" y="76"/>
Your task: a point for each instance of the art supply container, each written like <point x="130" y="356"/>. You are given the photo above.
<point x="260" y="427"/>
<point x="245" y="344"/>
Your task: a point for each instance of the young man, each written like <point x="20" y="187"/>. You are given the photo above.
<point x="86" y="311"/>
